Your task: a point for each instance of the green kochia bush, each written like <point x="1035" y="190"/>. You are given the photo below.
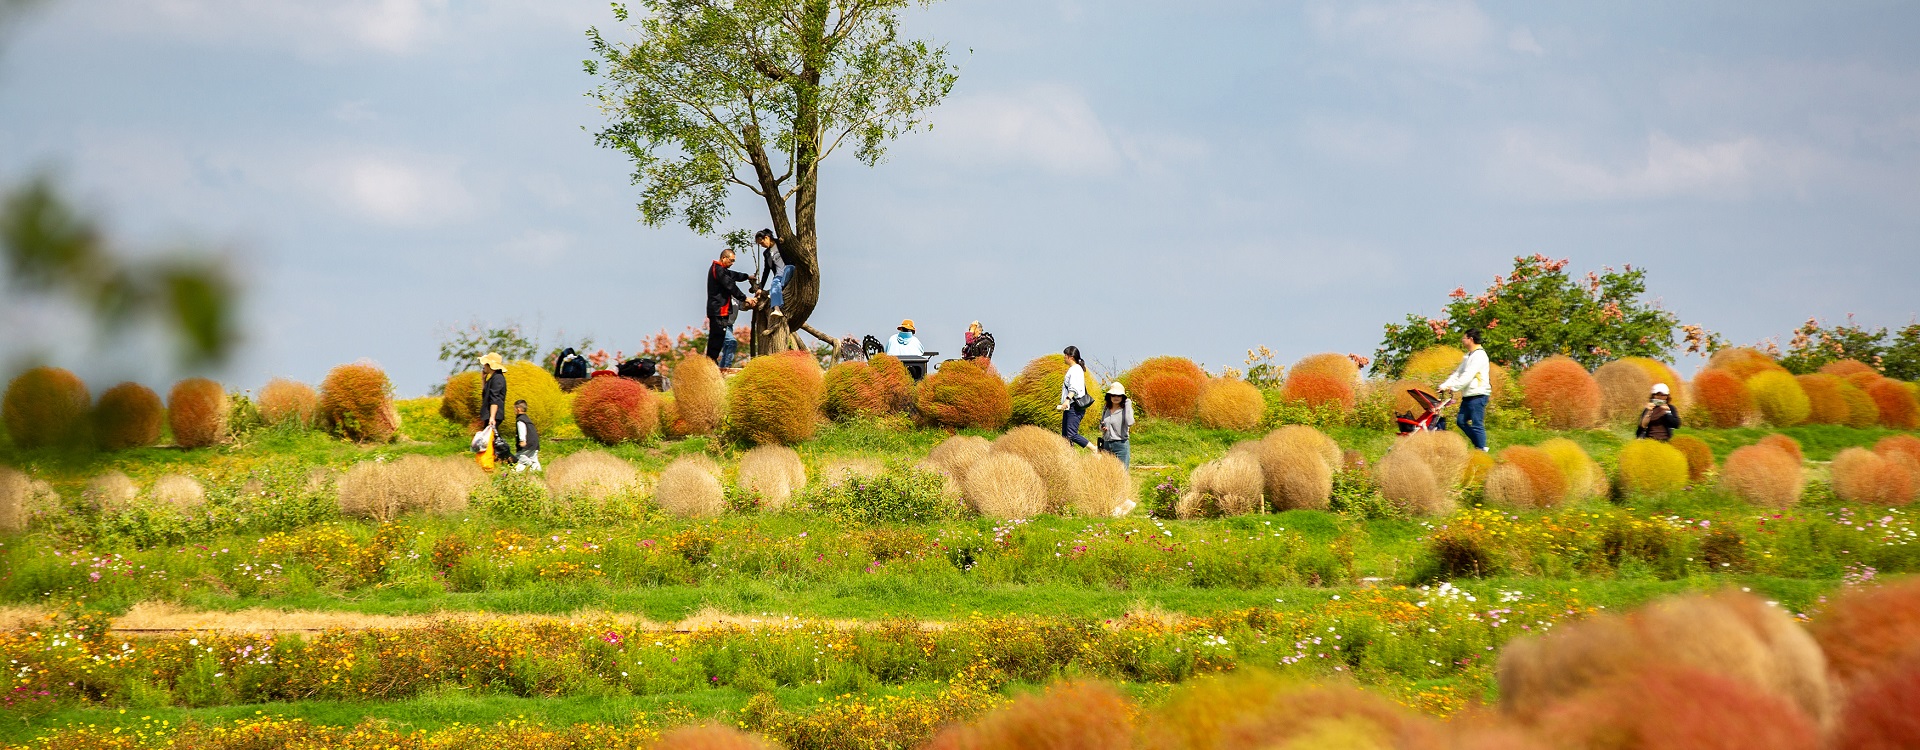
<point x="901" y="494"/>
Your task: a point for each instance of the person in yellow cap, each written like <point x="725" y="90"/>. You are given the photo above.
<point x="904" y="343"/>
<point x="493" y="400"/>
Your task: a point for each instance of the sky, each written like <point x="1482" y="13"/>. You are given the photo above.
<point x="1134" y="178"/>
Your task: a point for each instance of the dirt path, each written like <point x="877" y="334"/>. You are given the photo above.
<point x="161" y="618"/>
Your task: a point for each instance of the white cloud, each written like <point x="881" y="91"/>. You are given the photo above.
<point x="1521" y="40"/>
<point x="1532" y="163"/>
<point x="396" y="192"/>
<point x="1052" y="128"/>
<point x="1447" y="32"/>
<point x="1356" y="140"/>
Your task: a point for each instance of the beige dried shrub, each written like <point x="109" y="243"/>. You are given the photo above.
<point x="1107" y="489"/>
<point x="1003" y="485"/>
<point x="1446" y="453"/>
<point x="1731" y="635"/>
<point x="385" y="490"/>
<point x="1624" y="388"/>
<point x="1526" y="477"/>
<point x="690" y="488"/>
<point x="283" y="400"/>
<point x="179" y="491"/>
<point x="1297" y="463"/>
<point x="22" y="499"/>
<point x="955" y="454"/>
<point x="110" y="492"/>
<point x="1411" y="485"/>
<point x="699" y="397"/>
<point x="593" y="475"/>
<point x="1051" y="457"/>
<point x="1229" y="486"/>
<point x="774" y="472"/>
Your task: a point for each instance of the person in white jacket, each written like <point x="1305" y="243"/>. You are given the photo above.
<point x="1074" y="399"/>
<point x="904" y="342"/>
<point x="1473" y="380"/>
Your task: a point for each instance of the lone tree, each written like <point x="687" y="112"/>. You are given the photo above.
<point x="756" y="94"/>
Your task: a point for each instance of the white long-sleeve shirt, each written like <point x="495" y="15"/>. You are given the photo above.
<point x="904" y="344"/>
<point x="1074" y="385"/>
<point x="1473" y="377"/>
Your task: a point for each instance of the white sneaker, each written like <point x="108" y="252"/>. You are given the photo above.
<point x="776" y="313"/>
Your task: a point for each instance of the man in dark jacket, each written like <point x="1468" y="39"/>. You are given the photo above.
<point x="1659" y="419"/>
<point x="724" y="299"/>
<point x="493" y="401"/>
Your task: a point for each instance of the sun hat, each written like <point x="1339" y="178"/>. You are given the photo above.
<point x="907" y="325"/>
<point x="492" y="360"/>
<point x="1661" y="388"/>
<point x="1116" y="389"/>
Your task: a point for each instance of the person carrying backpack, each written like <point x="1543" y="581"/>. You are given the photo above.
<point x="1074" y="399"/>
<point x="724" y="299"/>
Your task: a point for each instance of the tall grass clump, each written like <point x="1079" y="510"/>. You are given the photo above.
<point x="1231" y="485"/>
<point x="1004" y="486"/>
<point x="384" y="490"/>
<point x="690" y="487"/>
<point x="963" y="394"/>
<point x="1862" y="411"/>
<point x="1825" y="405"/>
<point x="1107" y="488"/>
<point x="1230" y="404"/>
<point x="1779" y="398"/>
<point x="1650" y="467"/>
<point x="22" y="498"/>
<point x="772" y="474"/>
<point x="611" y="411"/>
<point x="178" y="491"/>
<point x="850" y="391"/>
<point x="775" y="400"/>
<point x="1864" y="476"/>
<point x="1297" y="464"/>
<point x="1166" y="387"/>
<point x="699" y="397"/>
<point x="460" y="398"/>
<point x="1525" y="477"/>
<point x="197" y="412"/>
<point x="1068" y="715"/>
<point x="1035" y="393"/>
<point x="356" y="403"/>
<point x="1765" y="475"/>
<point x="1623" y="391"/>
<point x="285" y="401"/>
<point x="1896" y="403"/>
<point x="46" y="407"/>
<point x="1561" y="394"/>
<point x="591" y="475"/>
<point x="1052" y="457"/>
<point x="128" y="416"/>
<point x="1721" y="399"/>
<point x="109" y="492"/>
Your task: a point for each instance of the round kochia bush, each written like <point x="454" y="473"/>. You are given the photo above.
<point x="1721" y="399"/>
<point x="963" y="394"/>
<point x="46" y="406"/>
<point x="128" y="416"/>
<point x="1779" y="398"/>
<point x="283" y="401"/>
<point x="1624" y="388"/>
<point x="699" y="397"/>
<point x="460" y="401"/>
<point x="616" y="410"/>
<point x="1699" y="455"/>
<point x="1166" y="387"/>
<point x="1036" y="392"/>
<point x="356" y="403"/>
<point x="1526" y="477"/>
<point x="1231" y="404"/>
<point x="1825" y="405"/>
<point x="1898" y="408"/>
<point x="1317" y="389"/>
<point x="851" y="391"/>
<point x="546" y="403"/>
<point x="1561" y="394"/>
<point x="1650" y="467"/>
<point x="775" y="400"/>
<point x="893" y="381"/>
<point x="197" y="412"/>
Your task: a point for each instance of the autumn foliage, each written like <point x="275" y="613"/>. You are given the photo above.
<point x="1896" y="403"/>
<point x="1526" y="477"/>
<point x="1721" y="399"/>
<point x="775" y="400"/>
<point x="616" y="410"/>
<point x="1825" y="405"/>
<point x="1699" y="455"/>
<point x="283" y="401"/>
<point x="1764" y="475"/>
<point x="1166" y="387"/>
<point x="46" y="407"/>
<point x="1652" y="467"/>
<point x="1779" y="398"/>
<point x="1231" y="404"/>
<point x="356" y="402"/>
<point x="852" y="392"/>
<point x="1317" y="389"/>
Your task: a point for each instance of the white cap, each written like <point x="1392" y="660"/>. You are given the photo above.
<point x="1116" y="389"/>
<point x="1661" y="388"/>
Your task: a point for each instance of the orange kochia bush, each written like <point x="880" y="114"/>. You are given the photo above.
<point x="1318" y="389"/>
<point x="964" y="394"/>
<point x="852" y="392"/>
<point x="128" y="416"/>
<point x="1166" y="387"/>
<point x="1721" y="399"/>
<point x="46" y="406"/>
<point x="1561" y="394"/>
<point x="283" y="400"/>
<point x="775" y="399"/>
<point x="616" y="410"/>
<point x="1897" y="405"/>
<point x="197" y="411"/>
<point x="893" y="381"/>
<point x="356" y="402"/>
<point x="1826" y="405"/>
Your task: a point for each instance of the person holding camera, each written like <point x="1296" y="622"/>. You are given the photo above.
<point x="1660" y="418"/>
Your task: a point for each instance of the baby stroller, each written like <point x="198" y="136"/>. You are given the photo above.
<point x="1429" y="419"/>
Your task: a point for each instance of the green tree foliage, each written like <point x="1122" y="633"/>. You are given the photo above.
<point x="462" y="348"/>
<point x="718" y="94"/>
<point x="1894" y="352"/>
<point x="1539" y="311"/>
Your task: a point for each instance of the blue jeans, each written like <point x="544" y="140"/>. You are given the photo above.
<point x="778" y="283"/>
<point x="1070" y="425"/>
<point x="728" y="348"/>
<point x="1119" y="449"/>
<point x="1473" y="420"/>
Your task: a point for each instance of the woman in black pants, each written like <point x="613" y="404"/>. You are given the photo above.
<point x="1073" y="398"/>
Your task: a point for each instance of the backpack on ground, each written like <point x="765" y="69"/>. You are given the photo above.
<point x="570" y="365"/>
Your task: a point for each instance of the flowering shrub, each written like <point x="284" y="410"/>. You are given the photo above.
<point x="46" y="407"/>
<point x="128" y="416"/>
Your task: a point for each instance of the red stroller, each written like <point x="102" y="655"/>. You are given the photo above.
<point x="1429" y="419"/>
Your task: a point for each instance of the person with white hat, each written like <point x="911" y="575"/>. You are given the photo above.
<point x="1116" y="424"/>
<point x="1660" y="418"/>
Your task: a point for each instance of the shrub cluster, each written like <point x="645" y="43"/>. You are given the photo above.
<point x="356" y="403"/>
<point x="197" y="412"/>
<point x="1166" y="387"/>
<point x="1294" y="464"/>
<point x="46" y="407"/>
<point x="963" y="394"/>
<point x="128" y="416"/>
<point x="775" y="400"/>
<point x="1070" y="480"/>
<point x="284" y="401"/>
<point x="616" y="410"/>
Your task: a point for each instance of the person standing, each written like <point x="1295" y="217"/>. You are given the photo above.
<point x="1473" y="380"/>
<point x="493" y="401"/>
<point x="723" y="304"/>
<point x="774" y="270"/>
<point x="1116" y="424"/>
<point x="1660" y="418"/>
<point x="1074" y="399"/>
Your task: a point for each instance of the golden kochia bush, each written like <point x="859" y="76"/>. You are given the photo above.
<point x="773" y="473"/>
<point x="850" y="391"/>
<point x="1053" y="458"/>
<point x="128" y="416"/>
<point x="383" y="490"/>
<point x="197" y="412"/>
<point x="1003" y="485"/>
<point x="1862" y="411"/>
<point x="179" y="491"/>
<point x="963" y="394"/>
<point x="1863" y="476"/>
<point x="1650" y="467"/>
<point x="1231" y="404"/>
<point x="285" y="401"/>
<point x="613" y="410"/>
<point x="591" y="475"/>
<point x="1108" y="490"/>
<point x="1898" y="407"/>
<point x="1526" y="477"/>
<point x="1721" y="399"/>
<point x="1432" y="364"/>
<point x="699" y="397"/>
<point x="1764" y="475"/>
<point x="1699" y="456"/>
<point x="356" y="402"/>
<point x="1624" y="387"/>
<point x="954" y="455"/>
<point x="546" y="404"/>
<point x="46" y="407"/>
<point x="460" y="399"/>
<point x="1730" y="635"/>
<point x="1297" y="463"/>
<point x="1561" y="394"/>
<point x="1585" y="478"/>
<point x="1825" y="405"/>
<point x="1068" y="715"/>
<point x="1166" y="387"/>
<point x="775" y="400"/>
<point x="690" y="488"/>
<point x="1231" y="485"/>
<point x="1254" y="709"/>
<point x="1778" y="397"/>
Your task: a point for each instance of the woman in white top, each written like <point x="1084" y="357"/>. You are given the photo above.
<point x="1073" y="398"/>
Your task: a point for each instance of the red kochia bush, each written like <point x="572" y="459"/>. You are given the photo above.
<point x="128" y="416"/>
<point x="1665" y="708"/>
<point x="893" y="381"/>
<point x="1897" y="405"/>
<point x="963" y="394"/>
<point x="1318" y="389"/>
<point x="852" y="392"/>
<point x="1868" y="630"/>
<point x="1166" y="387"/>
<point x="46" y="406"/>
<point x="1069" y="715"/>
<point x="616" y="410"/>
<point x="1721" y="399"/>
<point x="1881" y="715"/>
<point x="197" y="411"/>
<point x="775" y="400"/>
<point x="356" y="402"/>
<point x="1561" y="393"/>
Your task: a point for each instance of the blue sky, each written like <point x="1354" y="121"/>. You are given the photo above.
<point x="1135" y="178"/>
